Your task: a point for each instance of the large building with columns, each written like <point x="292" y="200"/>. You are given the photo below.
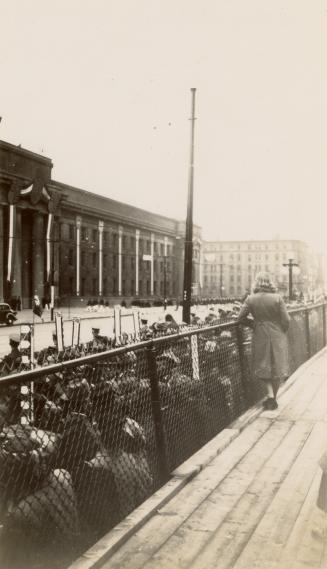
<point x="85" y="245"/>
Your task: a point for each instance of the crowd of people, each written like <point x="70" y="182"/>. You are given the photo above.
<point x="84" y="440"/>
<point x="77" y="450"/>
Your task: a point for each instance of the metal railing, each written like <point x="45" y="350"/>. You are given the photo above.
<point x="83" y="442"/>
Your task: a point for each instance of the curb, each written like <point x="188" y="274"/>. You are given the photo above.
<point x="103" y="549"/>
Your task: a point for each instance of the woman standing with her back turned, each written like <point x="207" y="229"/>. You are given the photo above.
<point x="269" y="341"/>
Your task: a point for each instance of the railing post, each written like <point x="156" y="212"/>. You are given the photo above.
<point x="324" y="339"/>
<point x="307" y="332"/>
<point x="240" y="346"/>
<point x="157" y="415"/>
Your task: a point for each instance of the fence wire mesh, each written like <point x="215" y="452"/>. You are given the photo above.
<point x="83" y="441"/>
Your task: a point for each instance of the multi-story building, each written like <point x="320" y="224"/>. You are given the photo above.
<point x="229" y="267"/>
<point x="85" y="245"/>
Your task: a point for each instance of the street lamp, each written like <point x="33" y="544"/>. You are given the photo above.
<point x="187" y="289"/>
<point x="290" y="265"/>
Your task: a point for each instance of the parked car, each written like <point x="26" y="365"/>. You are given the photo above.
<point x="7" y="314"/>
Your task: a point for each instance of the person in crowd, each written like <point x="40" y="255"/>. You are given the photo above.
<point x="37" y="308"/>
<point x="269" y="342"/>
<point x="12" y="361"/>
<point x="195" y="320"/>
<point x="145" y="330"/>
<point x="48" y="355"/>
<point x="211" y="318"/>
<point x="171" y="322"/>
<point x="98" y="342"/>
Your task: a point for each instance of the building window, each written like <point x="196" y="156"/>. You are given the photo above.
<point x="114" y="261"/>
<point x="132" y="263"/>
<point x="133" y="243"/>
<point x="84" y="233"/>
<point x="83" y="259"/>
<point x="94" y="235"/>
<point x="105" y="237"/>
<point x="132" y="286"/>
<point x="140" y="287"/>
<point x="148" y="287"/>
<point x="114" y="286"/>
<point x="71" y="285"/>
<point x="94" y="260"/>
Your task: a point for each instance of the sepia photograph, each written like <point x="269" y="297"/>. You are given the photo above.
<point x="163" y="293"/>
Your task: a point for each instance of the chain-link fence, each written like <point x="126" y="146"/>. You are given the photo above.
<point x="85" y="441"/>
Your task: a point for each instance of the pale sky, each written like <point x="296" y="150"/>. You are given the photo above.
<point x="102" y="87"/>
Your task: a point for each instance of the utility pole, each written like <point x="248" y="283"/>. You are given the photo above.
<point x="221" y="280"/>
<point x="52" y="287"/>
<point x="187" y="289"/>
<point x="290" y="266"/>
<point x="165" y="282"/>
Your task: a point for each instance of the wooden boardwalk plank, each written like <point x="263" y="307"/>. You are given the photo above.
<point x="316" y="409"/>
<point x="229" y="541"/>
<point x="194" y="534"/>
<point x="310" y="386"/>
<point x="279" y="520"/>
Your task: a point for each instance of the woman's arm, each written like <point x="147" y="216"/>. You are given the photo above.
<point x="284" y="315"/>
<point x="243" y="317"/>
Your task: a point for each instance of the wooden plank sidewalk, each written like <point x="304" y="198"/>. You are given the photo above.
<point x="253" y="506"/>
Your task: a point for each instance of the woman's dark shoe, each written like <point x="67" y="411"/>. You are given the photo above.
<point x="270" y="404"/>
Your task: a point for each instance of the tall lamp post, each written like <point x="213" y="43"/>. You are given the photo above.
<point x="290" y="265"/>
<point x="187" y="288"/>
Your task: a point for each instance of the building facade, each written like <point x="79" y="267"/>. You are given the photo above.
<point x="229" y="267"/>
<point x="85" y="245"/>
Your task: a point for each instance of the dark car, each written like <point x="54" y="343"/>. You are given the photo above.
<point x="7" y="314"/>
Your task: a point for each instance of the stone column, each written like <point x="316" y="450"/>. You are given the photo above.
<point x="17" y="265"/>
<point x="100" y="229"/>
<point x="166" y="292"/>
<point x="38" y="239"/>
<point x="120" y="239"/>
<point x="78" y="254"/>
<point x="151" y="264"/>
<point x="2" y="268"/>
<point x="137" y="243"/>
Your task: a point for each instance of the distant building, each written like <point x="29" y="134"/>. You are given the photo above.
<point x="229" y="267"/>
<point x="86" y="245"/>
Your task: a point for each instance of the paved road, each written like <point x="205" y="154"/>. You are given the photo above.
<point x="101" y="319"/>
